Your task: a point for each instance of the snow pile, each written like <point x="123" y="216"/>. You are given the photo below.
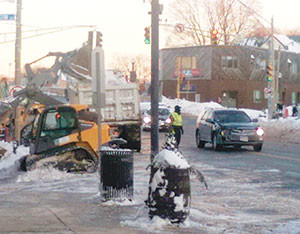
<point x="282" y="128"/>
<point x="43" y="174"/>
<point x="9" y="162"/>
<point x="255" y="114"/>
<point x="142" y="221"/>
<point x="291" y="227"/>
<point x="188" y="107"/>
<point x="124" y="202"/>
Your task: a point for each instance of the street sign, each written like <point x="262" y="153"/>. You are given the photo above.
<point x="14" y="89"/>
<point x="7" y="17"/>
<point x="179" y="28"/>
<point x="268" y="93"/>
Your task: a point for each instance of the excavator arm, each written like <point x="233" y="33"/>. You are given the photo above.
<point x="33" y="90"/>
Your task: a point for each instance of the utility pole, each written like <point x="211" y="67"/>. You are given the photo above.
<point x="18" y="64"/>
<point x="277" y="89"/>
<point x="155" y="10"/>
<point x="178" y="77"/>
<point x="271" y="85"/>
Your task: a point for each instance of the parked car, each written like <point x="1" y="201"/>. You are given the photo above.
<point x="228" y="127"/>
<point x="163" y="117"/>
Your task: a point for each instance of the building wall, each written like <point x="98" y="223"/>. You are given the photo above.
<point x="214" y="80"/>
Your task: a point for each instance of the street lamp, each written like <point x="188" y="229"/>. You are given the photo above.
<point x="132" y="72"/>
<point x="132" y="64"/>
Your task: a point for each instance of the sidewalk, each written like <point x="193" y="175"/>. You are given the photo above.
<point x="43" y="207"/>
<point x="23" y="212"/>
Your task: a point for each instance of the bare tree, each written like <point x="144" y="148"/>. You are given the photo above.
<point x="123" y="63"/>
<point x="292" y="32"/>
<point x="189" y="13"/>
<point x="229" y="17"/>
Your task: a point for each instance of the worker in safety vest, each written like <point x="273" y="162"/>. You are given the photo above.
<point x="177" y="129"/>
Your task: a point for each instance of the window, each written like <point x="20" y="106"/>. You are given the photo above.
<point x="256" y="96"/>
<point x="58" y="124"/>
<point x="204" y="117"/>
<point x="293" y="97"/>
<point x="187" y="62"/>
<point x="298" y="97"/>
<point x="293" y="68"/>
<point x="228" y="116"/>
<point x="210" y="115"/>
<point x="260" y="64"/>
<point x="229" y="62"/>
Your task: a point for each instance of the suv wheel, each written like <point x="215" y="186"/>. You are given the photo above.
<point x="216" y="146"/>
<point x="199" y="143"/>
<point x="257" y="148"/>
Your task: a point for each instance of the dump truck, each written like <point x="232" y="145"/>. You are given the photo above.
<point x="122" y="107"/>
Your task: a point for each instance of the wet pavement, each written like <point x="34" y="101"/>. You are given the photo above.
<point x="43" y="212"/>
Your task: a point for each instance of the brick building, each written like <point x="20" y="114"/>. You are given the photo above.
<point x="233" y="75"/>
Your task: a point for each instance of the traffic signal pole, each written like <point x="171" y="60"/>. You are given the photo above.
<point x="17" y="111"/>
<point x="155" y="10"/>
<point x="271" y="84"/>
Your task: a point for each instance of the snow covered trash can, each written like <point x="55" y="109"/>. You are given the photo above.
<point x="169" y="189"/>
<point x="116" y="172"/>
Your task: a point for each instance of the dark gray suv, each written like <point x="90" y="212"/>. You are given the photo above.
<point x="228" y="127"/>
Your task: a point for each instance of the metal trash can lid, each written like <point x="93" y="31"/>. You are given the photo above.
<point x="115" y="152"/>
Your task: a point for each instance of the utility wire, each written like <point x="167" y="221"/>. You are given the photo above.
<point x="41" y="34"/>
<point x="253" y="11"/>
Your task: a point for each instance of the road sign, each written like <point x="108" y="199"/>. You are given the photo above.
<point x="7" y="17"/>
<point x="179" y="28"/>
<point x="268" y="92"/>
<point x="14" y="89"/>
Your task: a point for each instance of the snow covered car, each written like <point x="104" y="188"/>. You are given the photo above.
<point x="164" y="120"/>
<point x="228" y="127"/>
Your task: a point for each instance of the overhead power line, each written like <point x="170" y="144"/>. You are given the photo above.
<point x="253" y="11"/>
<point x="41" y="31"/>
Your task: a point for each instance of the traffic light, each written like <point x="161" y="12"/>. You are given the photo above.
<point x="147" y="35"/>
<point x="99" y="39"/>
<point x="269" y="73"/>
<point x="182" y="77"/>
<point x="214" y="36"/>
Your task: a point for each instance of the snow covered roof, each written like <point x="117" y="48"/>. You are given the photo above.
<point x="287" y="44"/>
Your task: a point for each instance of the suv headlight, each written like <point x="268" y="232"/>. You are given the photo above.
<point x="147" y="120"/>
<point x="259" y="131"/>
<point x="168" y="120"/>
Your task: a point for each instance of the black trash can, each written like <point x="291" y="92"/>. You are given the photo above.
<point x="116" y="174"/>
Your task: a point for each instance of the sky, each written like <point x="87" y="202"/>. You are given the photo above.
<point x="121" y="22"/>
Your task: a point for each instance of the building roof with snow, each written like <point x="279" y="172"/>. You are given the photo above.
<point x="284" y="42"/>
